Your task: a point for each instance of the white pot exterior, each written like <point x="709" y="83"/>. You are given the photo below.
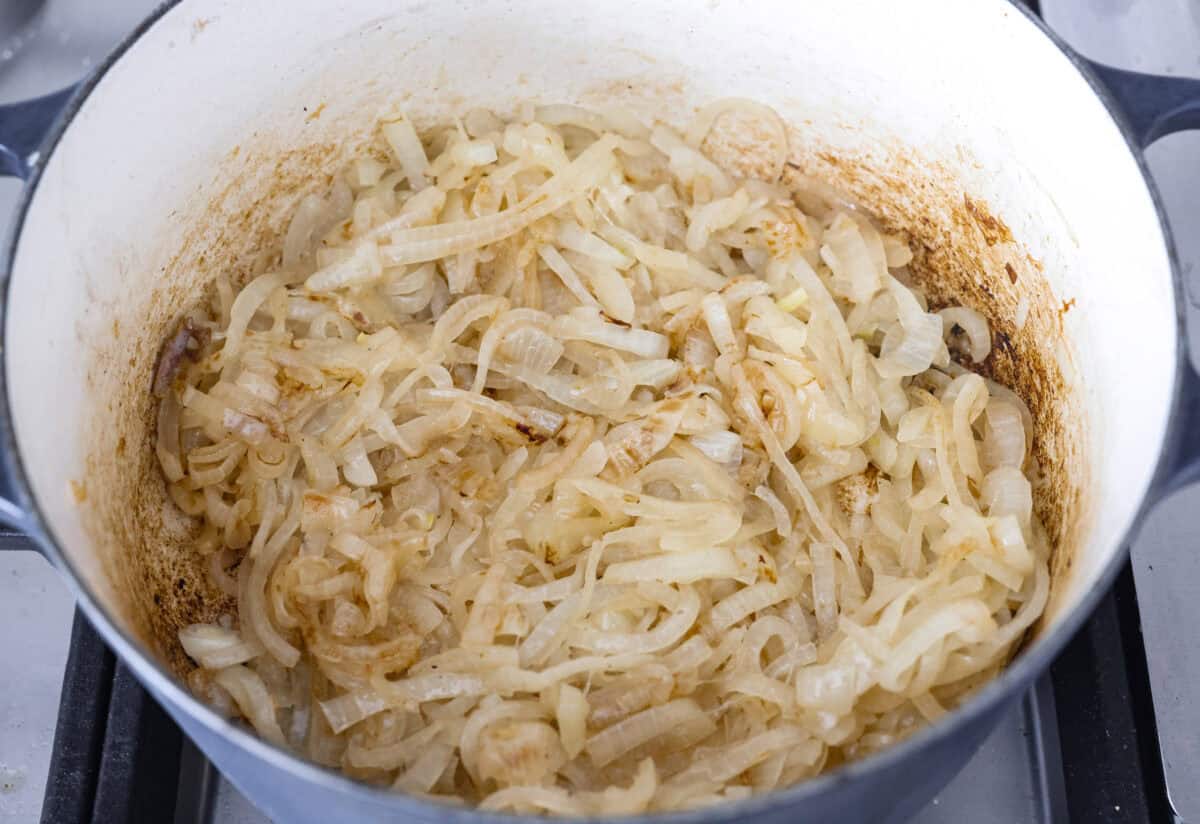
<point x="975" y="86"/>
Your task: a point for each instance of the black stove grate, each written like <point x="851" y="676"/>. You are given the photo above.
<point x="116" y="756"/>
<point x="1112" y="768"/>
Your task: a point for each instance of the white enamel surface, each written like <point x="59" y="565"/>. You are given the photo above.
<point x="973" y="85"/>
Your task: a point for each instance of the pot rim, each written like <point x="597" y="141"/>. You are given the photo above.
<point x="1006" y="686"/>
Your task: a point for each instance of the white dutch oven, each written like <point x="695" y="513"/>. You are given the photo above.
<point x="962" y="123"/>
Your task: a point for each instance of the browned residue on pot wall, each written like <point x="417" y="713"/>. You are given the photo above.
<point x="146" y="542"/>
<point x="965" y="255"/>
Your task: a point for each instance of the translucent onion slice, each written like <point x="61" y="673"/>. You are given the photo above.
<point x="571" y="714"/>
<point x="419" y="244"/>
<point x="973" y="325"/>
<point x="745" y="602"/>
<point x="253" y="699"/>
<point x="606" y="746"/>
<point x="404" y="142"/>
<point x="667" y="632"/>
<point x="675" y="568"/>
<point x="215" y="648"/>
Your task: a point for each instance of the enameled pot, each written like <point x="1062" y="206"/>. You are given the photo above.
<point x="1012" y="164"/>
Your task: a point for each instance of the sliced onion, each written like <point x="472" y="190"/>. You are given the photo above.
<point x="764" y="688"/>
<point x="510" y="321"/>
<point x="675" y="568"/>
<point x="245" y="305"/>
<point x="764" y="118"/>
<point x="689" y="655"/>
<point x="567" y="274"/>
<point x="746" y="602"/>
<point x="532" y="348"/>
<point x="1007" y="535"/>
<point x="970" y="399"/>
<point x="572" y="236"/>
<point x="350" y="708"/>
<point x="571" y="714"/>
<point x="609" y="287"/>
<point x="490" y="710"/>
<point x="362" y="267"/>
<point x="716" y="315"/>
<point x="673" y="264"/>
<point x="429" y="243"/>
<point x="720" y="767"/>
<point x="431" y="687"/>
<point x="1005" y="441"/>
<point x="540" y="642"/>
<point x="590" y="327"/>
<point x="783" y="520"/>
<point x="423" y="773"/>
<point x="857" y="275"/>
<point x="214" y="647"/>
<point x="305" y="227"/>
<point x="606" y="746"/>
<point x="824" y="579"/>
<point x="531" y="799"/>
<point x="252" y="698"/>
<point x="915" y="350"/>
<point x="721" y="446"/>
<point x="714" y="216"/>
<point x="404" y="143"/>
<point x="952" y="618"/>
<point x="767" y="320"/>
<point x="973" y="325"/>
<point x="166" y="445"/>
<point x="355" y="465"/>
<point x="1006" y="491"/>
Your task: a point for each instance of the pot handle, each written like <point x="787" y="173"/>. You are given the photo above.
<point x="1155" y="106"/>
<point x="1180" y="463"/>
<point x="23" y="128"/>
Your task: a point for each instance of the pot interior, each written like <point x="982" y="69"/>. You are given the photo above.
<point x="1010" y="179"/>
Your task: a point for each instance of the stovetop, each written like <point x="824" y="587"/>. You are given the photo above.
<point x="1105" y="736"/>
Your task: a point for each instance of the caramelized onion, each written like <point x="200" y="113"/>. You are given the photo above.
<point x="563" y="465"/>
